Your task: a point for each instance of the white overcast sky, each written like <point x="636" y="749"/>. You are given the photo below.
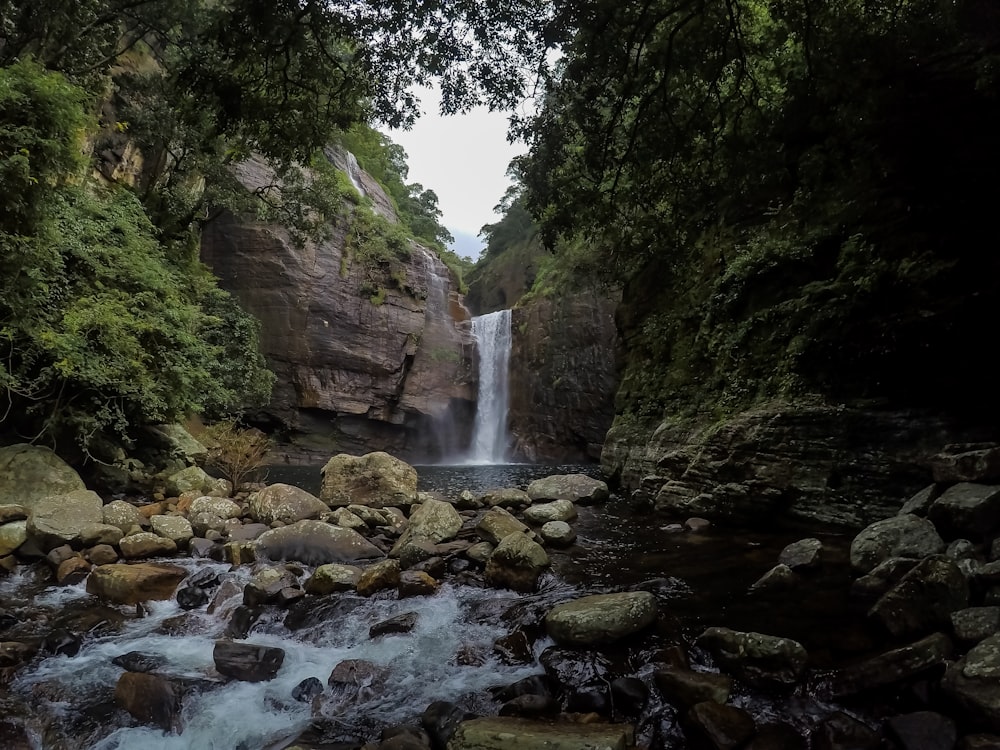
<point x="462" y="158"/>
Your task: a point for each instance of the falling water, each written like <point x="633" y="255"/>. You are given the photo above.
<point x="353" y="170"/>
<point x="489" y="439"/>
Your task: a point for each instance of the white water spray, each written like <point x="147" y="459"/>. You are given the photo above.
<point x="489" y="438"/>
<point x="353" y="172"/>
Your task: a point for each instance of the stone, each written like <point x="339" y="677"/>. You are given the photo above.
<point x="577" y="488"/>
<point x="378" y="577"/>
<point x="403" y="623"/>
<point x="12" y="535"/>
<point x="122" y="515"/>
<point x="980" y="742"/>
<point x="134" y="583"/>
<point x="974" y="682"/>
<point x="557" y="533"/>
<point x="146" y="544"/>
<point x="100" y="533"/>
<point x="266" y="585"/>
<point x="286" y="503"/>
<point x="416" y="583"/>
<point x="150" y="699"/>
<point x="59" y="519"/>
<point x="720" y="726"/>
<point x="924" y="599"/>
<point x="505" y="497"/>
<point x="882" y="577"/>
<point x="222" y="507"/>
<point x="239" y="553"/>
<point x="176" y="528"/>
<point x="347" y="519"/>
<point x="333" y="577"/>
<point x="759" y="659"/>
<point x="557" y="510"/>
<point x="923" y="730"/>
<point x="29" y="473"/>
<point x="505" y="732"/>
<point x="920" y="503"/>
<point x="248" y="662"/>
<point x="432" y="521"/>
<point x="778" y="578"/>
<point x="973" y="624"/>
<point x="897" y="665"/>
<point x="777" y="736"/>
<point x="70" y="572"/>
<point x="805" y="554"/>
<point x="315" y="543"/>
<point x="11" y="513"/>
<point x="101" y="554"/>
<point x="308" y="689"/>
<point x="516" y="563"/>
<point x="193" y="479"/>
<point x="375" y="479"/>
<point x="966" y="463"/>
<point x="496" y="524"/>
<point x="967" y="510"/>
<point x="898" y="536"/>
<point x="601" y="618"/>
<point x="840" y="731"/>
<point x="684" y="688"/>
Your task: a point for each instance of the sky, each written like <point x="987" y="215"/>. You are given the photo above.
<point x="462" y="158"/>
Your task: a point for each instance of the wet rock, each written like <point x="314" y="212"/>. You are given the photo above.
<point x="62" y="642"/>
<point x="516" y="563"/>
<point x="433" y="521"/>
<point x="697" y="524"/>
<point x="241" y="621"/>
<point x="266" y="585"/>
<point x="480" y="553"/>
<point x="602" y="618"/>
<point x="504" y="732"/>
<point x="577" y="488"/>
<point x="72" y="571"/>
<point x="347" y="519"/>
<point x="357" y="678"/>
<point x="135" y="583"/>
<point x="924" y="599"/>
<point x="882" y="577"/>
<point x="967" y="510"/>
<point x="175" y="528"/>
<point x="441" y="719"/>
<point x="12" y="513"/>
<point x="759" y="659"/>
<point x="899" y="536"/>
<point x="920" y="503"/>
<point x="150" y="699"/>
<point x="403" y="623"/>
<point x="414" y="552"/>
<point x="375" y="479"/>
<point x="966" y="463"/>
<point x="247" y="661"/>
<point x="241" y="553"/>
<point x="16" y="654"/>
<point x="629" y="696"/>
<point x="685" y="688"/>
<point x="583" y="678"/>
<point x="557" y="533"/>
<point x="779" y="578"/>
<point x="805" y="554"/>
<point x="720" y="726"/>
<point x="530" y="706"/>
<point x="246" y="532"/>
<point x="380" y="576"/>
<point x="505" y="497"/>
<point x="514" y="648"/>
<point x="923" y="730"/>
<point x="979" y="742"/>
<point x="201" y="548"/>
<point x="285" y="503"/>
<point x="137" y="661"/>
<point x="333" y="577"/>
<point x="146" y="544"/>
<point x="974" y="681"/>
<point x="557" y="510"/>
<point x="101" y="554"/>
<point x="840" y="731"/>
<point x="313" y="611"/>
<point x="416" y="583"/>
<point x="973" y="624"/>
<point x="405" y="738"/>
<point x="315" y="543"/>
<point x="777" y="737"/>
<point x="894" y="666"/>
<point x="12" y="535"/>
<point x="497" y="524"/>
<point x="538" y="684"/>
<point x="306" y="690"/>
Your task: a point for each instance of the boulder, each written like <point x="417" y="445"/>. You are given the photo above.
<point x="315" y="543"/>
<point x="347" y="519"/>
<point x="973" y="624"/>
<point x="146" y="544"/>
<point x="920" y="503"/>
<point x="557" y="510"/>
<point x="924" y="599"/>
<point x="896" y="665"/>
<point x="974" y="682"/>
<point x="557" y="533"/>
<point x="899" y="536"/>
<point x="778" y="578"/>
<point x="175" y="528"/>
<point x="805" y="554"/>
<point x="333" y="577"/>
<point x="194" y="479"/>
<point x="416" y="583"/>
<point x="375" y="479"/>
<point x="222" y="507"/>
<point x="841" y="731"/>
<point x="684" y="688"/>
<point x="432" y="521"/>
<point x="265" y="586"/>
<point x="496" y="524"/>
<point x="967" y="510"/>
<point x="966" y="463"/>
<point x="248" y="662"/>
<point x="135" y="583"/>
<point x="11" y="513"/>
<point x="29" y="473"/>
<point x="505" y="497"/>
<point x="378" y="577"/>
<point x="150" y="699"/>
<point x="516" y="563"/>
<point x="403" y="623"/>
<point x="177" y="443"/>
<point x="12" y="536"/>
<point x="602" y="618"/>
<point x="122" y="515"/>
<point x="100" y="533"/>
<point x="505" y="732"/>
<point x="760" y="659"/>
<point x="719" y="726"/>
<point x="577" y="488"/>
<point x="286" y="503"/>
<point x="59" y="519"/>
<point x="923" y="730"/>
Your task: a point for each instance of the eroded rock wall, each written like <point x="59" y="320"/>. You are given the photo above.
<point x="353" y="375"/>
<point x="564" y="362"/>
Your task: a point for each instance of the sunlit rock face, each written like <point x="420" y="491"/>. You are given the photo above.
<point x="353" y="374"/>
<point x="564" y="363"/>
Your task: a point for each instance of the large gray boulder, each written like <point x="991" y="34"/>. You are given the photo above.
<point x="315" y="543"/>
<point x="12" y="536"/>
<point x="433" y="521"/>
<point x="122" y="515"/>
<point x="759" y="659"/>
<point x="923" y="600"/>
<point x="974" y="682"/>
<point x="557" y="510"/>
<point x="194" y="479"/>
<point x="60" y="519"/>
<point x="967" y="510"/>
<point x="602" y="618"/>
<point x="286" y="503"/>
<point x="375" y="479"/>
<point x="516" y="563"/>
<point x="29" y="473"/>
<point x="506" y="732"/>
<point x="177" y="443"/>
<point x="904" y="535"/>
<point x="577" y="488"/>
<point x="497" y="524"/>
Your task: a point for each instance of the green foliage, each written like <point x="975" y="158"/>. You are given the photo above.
<point x="381" y="249"/>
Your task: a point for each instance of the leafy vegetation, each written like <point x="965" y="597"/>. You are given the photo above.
<point x="239" y="453"/>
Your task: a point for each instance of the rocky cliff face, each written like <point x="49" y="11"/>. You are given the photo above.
<point x="564" y="360"/>
<point x="353" y="375"/>
<point x="834" y="464"/>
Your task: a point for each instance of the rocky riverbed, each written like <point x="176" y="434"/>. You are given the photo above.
<point x="549" y="615"/>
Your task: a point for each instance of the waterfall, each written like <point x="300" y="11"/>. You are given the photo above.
<point x="489" y="438"/>
<point x="352" y="172"/>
